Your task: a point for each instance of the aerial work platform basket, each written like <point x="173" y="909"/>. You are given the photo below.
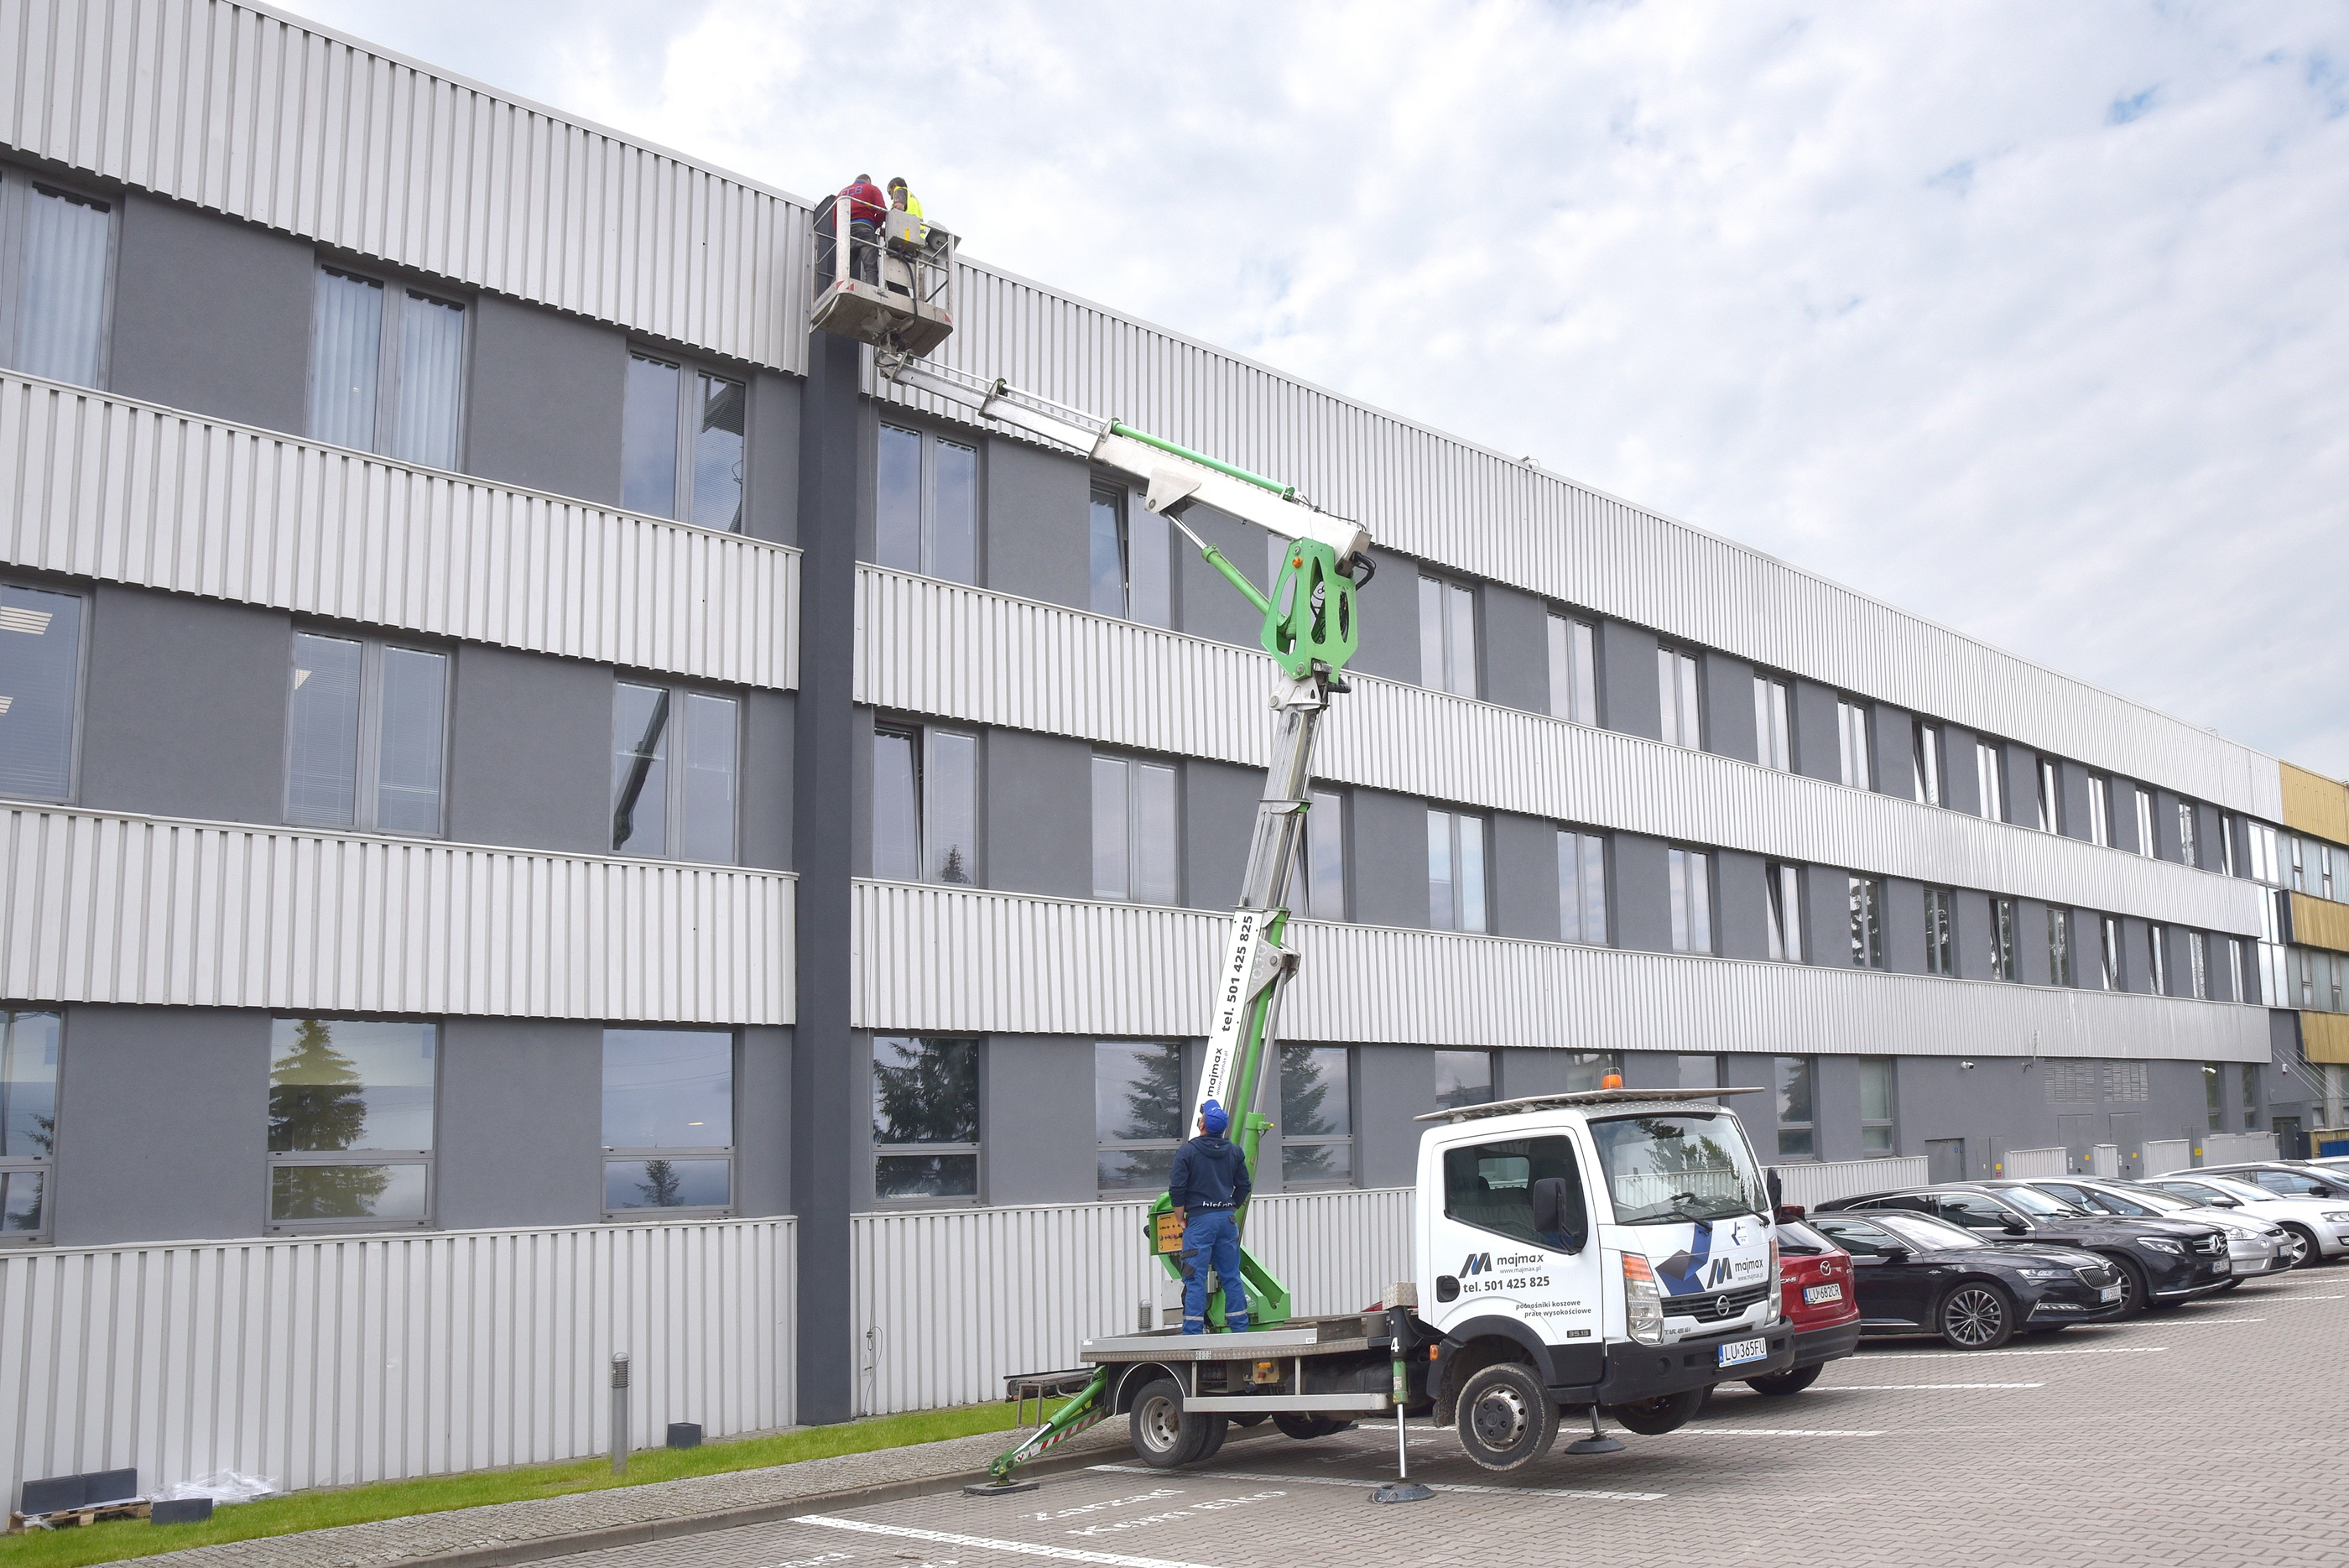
<point x="890" y="284"/>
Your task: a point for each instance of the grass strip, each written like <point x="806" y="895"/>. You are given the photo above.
<point x="326" y="1507"/>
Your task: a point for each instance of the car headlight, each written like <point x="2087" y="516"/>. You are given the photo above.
<point x="2044" y="1273"/>
<point x="2337" y="1215"/>
<point x="1643" y="1305"/>
<point x="2163" y="1244"/>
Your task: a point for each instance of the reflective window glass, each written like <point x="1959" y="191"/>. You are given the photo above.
<point x="925" y="1116"/>
<point x="1462" y="1079"/>
<point x="718" y="452"/>
<point x="61" y="291"/>
<point x="1137" y="1112"/>
<point x="323" y="731"/>
<point x="346" y="1086"/>
<point x="40" y="679"/>
<point x="641" y="770"/>
<point x="1317" y="1120"/>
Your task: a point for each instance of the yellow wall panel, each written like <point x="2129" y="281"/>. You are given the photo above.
<point x="2324" y="1036"/>
<point x="2320" y="923"/>
<point x="2314" y="804"/>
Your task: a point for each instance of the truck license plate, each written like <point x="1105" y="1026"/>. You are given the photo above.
<point x="2109" y="1294"/>
<point x="1744" y="1350"/>
<point x="1813" y="1295"/>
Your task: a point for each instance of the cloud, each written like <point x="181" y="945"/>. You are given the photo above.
<point x="2030" y="319"/>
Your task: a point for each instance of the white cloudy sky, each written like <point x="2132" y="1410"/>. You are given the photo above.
<point x="2032" y="318"/>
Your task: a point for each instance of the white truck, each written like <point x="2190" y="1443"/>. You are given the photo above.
<point x="1607" y="1250"/>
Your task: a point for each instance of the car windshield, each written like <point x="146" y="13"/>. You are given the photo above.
<point x="2233" y="1187"/>
<point x="1924" y="1232"/>
<point x="2030" y="1200"/>
<point x="1677" y="1166"/>
<point x="2159" y="1202"/>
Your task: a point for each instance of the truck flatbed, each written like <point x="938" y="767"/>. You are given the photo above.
<point x="1350" y="1335"/>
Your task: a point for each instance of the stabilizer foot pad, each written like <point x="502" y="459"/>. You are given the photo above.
<point x="1595" y="1446"/>
<point x="1000" y="1489"/>
<point x="1402" y="1491"/>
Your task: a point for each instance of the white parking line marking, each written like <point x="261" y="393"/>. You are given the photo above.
<point x="1889" y="1388"/>
<point x="983" y="1544"/>
<point x="1765" y="1432"/>
<point x="1446" y="1486"/>
<point x="2199" y="1322"/>
<point x="2083" y="1350"/>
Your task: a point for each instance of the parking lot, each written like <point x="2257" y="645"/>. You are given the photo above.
<point x="2208" y="1434"/>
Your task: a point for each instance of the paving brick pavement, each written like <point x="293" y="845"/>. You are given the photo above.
<point x="2207" y="1435"/>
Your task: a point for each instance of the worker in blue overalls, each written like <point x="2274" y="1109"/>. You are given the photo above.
<point x="1209" y="1183"/>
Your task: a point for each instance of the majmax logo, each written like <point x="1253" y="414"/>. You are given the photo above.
<point x="1719" y="1275"/>
<point x="1477" y="1264"/>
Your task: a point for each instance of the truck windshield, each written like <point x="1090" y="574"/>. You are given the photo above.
<point x="1677" y="1167"/>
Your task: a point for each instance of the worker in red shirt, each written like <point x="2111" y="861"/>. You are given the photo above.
<point x="865" y="206"/>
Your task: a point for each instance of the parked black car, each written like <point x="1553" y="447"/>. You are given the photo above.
<point x="2163" y="1263"/>
<point x="1916" y="1274"/>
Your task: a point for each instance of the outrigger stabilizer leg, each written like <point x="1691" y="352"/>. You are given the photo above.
<point x="1089" y="1405"/>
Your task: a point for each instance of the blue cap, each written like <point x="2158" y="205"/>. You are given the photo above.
<point x="1211" y="1117"/>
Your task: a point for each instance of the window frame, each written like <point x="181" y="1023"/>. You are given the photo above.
<point x="1854" y="741"/>
<point x="1782" y="892"/>
<point x="1808" y="1069"/>
<point x="1492" y="1060"/>
<point x="2061" y="961"/>
<point x="1588" y="852"/>
<point x="2188" y="838"/>
<point x="1573" y="668"/>
<point x="2110" y="962"/>
<point x="1686" y="903"/>
<point x="389" y="356"/>
<point x="2100" y="810"/>
<point x="1990" y="778"/>
<point x="925" y="830"/>
<point x="367" y="803"/>
<point x="673" y="800"/>
<point x="18" y="183"/>
<point x="610" y="1154"/>
<point x="1865" y="903"/>
<point x="1890" y="1123"/>
<point x="2148" y="845"/>
<point x="1941" y="931"/>
<point x="1680" y="695"/>
<point x="2157" y="958"/>
<point x="2051" y="796"/>
<point x="925" y="523"/>
<point x="1456" y="861"/>
<point x="2198" y="966"/>
<point x="1165" y="1146"/>
<point x="2002" y="935"/>
<point x="2250" y="1085"/>
<point x="81" y="700"/>
<point x="1333" y="800"/>
<point x="1925" y="762"/>
<point x="976" y="1150"/>
<point x="1451" y="594"/>
<point x="1348" y="1140"/>
<point x="275" y="1160"/>
<point x="688" y="368"/>
<point x="1131" y="767"/>
<point x="1773" y="722"/>
<point x="43" y="1166"/>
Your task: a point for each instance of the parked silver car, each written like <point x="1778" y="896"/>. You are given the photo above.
<point x="2256" y="1246"/>
<point x="2321" y="1223"/>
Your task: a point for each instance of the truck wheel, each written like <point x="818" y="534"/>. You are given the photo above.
<point x="1792" y="1381"/>
<point x="1219" y="1429"/>
<point x="1305" y="1429"/>
<point x="1247" y="1420"/>
<point x="1506" y="1419"/>
<point x="1163" y="1434"/>
<point x="1664" y="1413"/>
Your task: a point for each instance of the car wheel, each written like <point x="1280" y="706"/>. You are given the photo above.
<point x="1506" y="1420"/>
<point x="2309" y="1254"/>
<point x="1305" y="1429"/>
<point x="1654" y="1418"/>
<point x="2135" y="1291"/>
<point x="1163" y="1434"/>
<point x="1793" y="1381"/>
<point x="1976" y="1316"/>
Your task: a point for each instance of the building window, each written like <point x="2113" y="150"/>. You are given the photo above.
<point x="1941" y="931"/>
<point x="2324" y="858"/>
<point x="28" y="1120"/>
<point x="2157" y="961"/>
<point x="1701" y="1072"/>
<point x="2261" y="840"/>
<point x="1852" y="742"/>
<point x="2002" y="939"/>
<point x="925" y="505"/>
<point x="2112" y="952"/>
<point x="1573" y="670"/>
<point x="1447" y="637"/>
<point x="366" y="730"/>
<point x="1137" y="1113"/>
<point x="2145" y="839"/>
<point x="1867" y="900"/>
<point x="1581" y="886"/>
<point x="1462" y="1079"/>
<point x="1321" y="865"/>
<point x="1689" y="885"/>
<point x="1317" y="1116"/>
<point x="1588" y="1070"/>
<point x="681" y="443"/>
<point x="2227" y="861"/>
<point x="1990" y="779"/>
<point x="1783" y="887"/>
<point x="2214" y="1095"/>
<point x="1676" y="691"/>
<point x="1455" y="871"/>
<point x="1132" y="563"/>
<point x="2051" y="798"/>
<point x="2187" y="850"/>
<point x="55" y="323"/>
<point x="925" y="805"/>
<point x="2198" y="965"/>
<point x="668" y="1120"/>
<point x="1773" y="730"/>
<point x="2307" y="978"/>
<point x="2100" y="810"/>
<point x="388" y="369"/>
<point x="1137" y="841"/>
<point x="1797" y="1123"/>
<point x="682" y="807"/>
<point x="1876" y="1103"/>
<point x="925" y="1117"/>
<point x="40" y="686"/>
<point x="2059" y="947"/>
<point x="1925" y="758"/>
<point x="350" y="1123"/>
<point x="2250" y="1096"/>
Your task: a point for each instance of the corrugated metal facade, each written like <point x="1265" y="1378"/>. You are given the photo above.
<point x="951" y="1301"/>
<point x="270" y="120"/>
<point x="144" y="909"/>
<point x="955" y="960"/>
<point x="346" y="1359"/>
<point x="957" y="652"/>
<point x="103" y="487"/>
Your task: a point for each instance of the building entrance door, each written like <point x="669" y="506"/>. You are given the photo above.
<point x="1945" y="1159"/>
<point x="2131" y="1145"/>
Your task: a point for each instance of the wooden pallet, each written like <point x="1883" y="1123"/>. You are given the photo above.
<point x="75" y="1518"/>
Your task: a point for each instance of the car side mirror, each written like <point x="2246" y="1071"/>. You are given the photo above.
<point x="1896" y="1254"/>
<point x="2016" y="1227"/>
<point x="2223" y="1202"/>
<point x="1550" y="1212"/>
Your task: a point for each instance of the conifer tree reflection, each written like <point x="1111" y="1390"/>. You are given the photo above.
<point x="317" y="1101"/>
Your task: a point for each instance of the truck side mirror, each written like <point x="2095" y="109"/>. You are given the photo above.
<point x="1551" y="1211"/>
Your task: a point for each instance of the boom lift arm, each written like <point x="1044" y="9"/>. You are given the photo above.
<point x="1311" y="631"/>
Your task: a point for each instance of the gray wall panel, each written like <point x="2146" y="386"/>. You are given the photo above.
<point x="773" y="475"/>
<point x="162" y="1124"/>
<point x="1960" y="786"/>
<point x="1036" y="1120"/>
<point x="1729" y="725"/>
<point x="1894" y="738"/>
<point x="1525" y="877"/>
<point x="1741" y="909"/>
<point x="767" y="725"/>
<point x="2136" y="967"/>
<point x="763" y="1121"/>
<point x="1641" y="893"/>
<point x="1392" y="1083"/>
<point x="212" y="315"/>
<point x="1204" y="604"/>
<point x="1219" y="804"/>
<point x="521" y="1120"/>
<point x="1628" y="697"/>
<point x="1973" y="934"/>
<point x="1819" y="750"/>
<point x="192" y="683"/>
<point x="1515" y="636"/>
<point x="1904" y="925"/>
<point x="1037" y="528"/>
<point x="1037" y="803"/>
<point x="542" y="409"/>
<point x="1827" y="920"/>
<point x="2125" y="833"/>
<point x="2030" y="941"/>
<point x="2165" y="825"/>
<point x="1390" y="619"/>
<point x="1390" y="847"/>
<point x="2073" y="780"/>
<point x="2022" y="785"/>
<point x="530" y="748"/>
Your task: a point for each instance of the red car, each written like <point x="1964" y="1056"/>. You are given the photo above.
<point x="1820" y="1302"/>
